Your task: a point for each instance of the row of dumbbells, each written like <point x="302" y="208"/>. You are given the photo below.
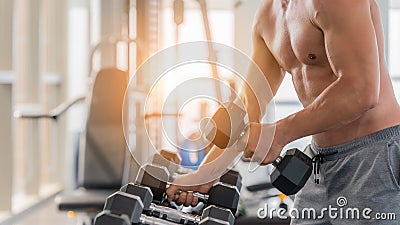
<point x="133" y="205"/>
<point x="139" y="203"/>
<point x="225" y="193"/>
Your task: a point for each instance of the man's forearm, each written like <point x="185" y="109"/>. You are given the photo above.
<point x="338" y="105"/>
<point x="257" y="91"/>
<point x="214" y="153"/>
<point x="254" y="112"/>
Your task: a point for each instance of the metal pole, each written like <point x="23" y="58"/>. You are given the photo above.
<point x="213" y="55"/>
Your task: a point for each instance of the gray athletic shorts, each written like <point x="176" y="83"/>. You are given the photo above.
<point x="359" y="183"/>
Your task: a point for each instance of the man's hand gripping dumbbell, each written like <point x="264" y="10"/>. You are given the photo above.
<point x="224" y="193"/>
<point x="231" y="134"/>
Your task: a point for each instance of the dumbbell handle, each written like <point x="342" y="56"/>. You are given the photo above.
<point x="173" y="215"/>
<point x="277" y="161"/>
<point x="204" y="197"/>
<point x="144" y="219"/>
<point x="200" y="196"/>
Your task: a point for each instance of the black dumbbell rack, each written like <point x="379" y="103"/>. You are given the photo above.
<point x="133" y="204"/>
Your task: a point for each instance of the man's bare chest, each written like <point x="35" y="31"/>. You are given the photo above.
<point x="294" y="40"/>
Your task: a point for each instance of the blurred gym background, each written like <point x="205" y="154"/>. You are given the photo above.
<point x="53" y="51"/>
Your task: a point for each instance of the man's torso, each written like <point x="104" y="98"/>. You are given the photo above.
<point x="298" y="46"/>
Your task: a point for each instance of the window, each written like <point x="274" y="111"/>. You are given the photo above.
<point x="192" y="29"/>
<point x="35" y="149"/>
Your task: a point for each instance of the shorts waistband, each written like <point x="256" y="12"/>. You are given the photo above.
<point x="338" y="151"/>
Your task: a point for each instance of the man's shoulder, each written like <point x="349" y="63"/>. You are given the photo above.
<point x="264" y="7"/>
<point x="324" y="10"/>
<point x="334" y="4"/>
<point x="263" y="11"/>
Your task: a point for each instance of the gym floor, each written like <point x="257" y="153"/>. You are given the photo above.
<point x="44" y="213"/>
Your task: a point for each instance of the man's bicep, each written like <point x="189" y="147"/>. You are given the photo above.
<point x="255" y="99"/>
<point x="263" y="57"/>
<point x="351" y="44"/>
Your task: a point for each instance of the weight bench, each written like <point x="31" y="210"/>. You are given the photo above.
<point x="102" y="147"/>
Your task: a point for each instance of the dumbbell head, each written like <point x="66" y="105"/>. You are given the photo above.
<point x="167" y="159"/>
<point x="107" y="218"/>
<point x="232" y="177"/>
<point x="226" y="125"/>
<point x="158" y="185"/>
<point x="224" y="195"/>
<point x="171" y="156"/>
<point x="212" y="221"/>
<point x="218" y="213"/>
<point x="292" y="172"/>
<point x="121" y="203"/>
<point x="141" y="191"/>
